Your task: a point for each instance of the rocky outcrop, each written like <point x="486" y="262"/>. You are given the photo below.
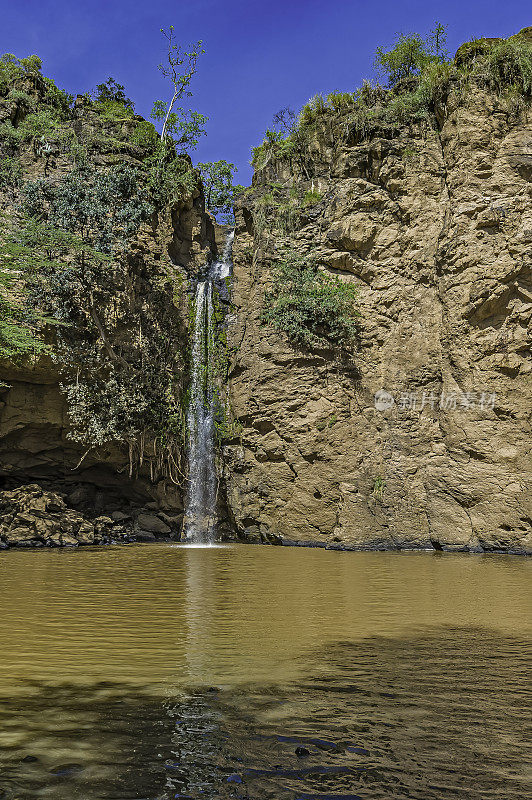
<point x="32" y="517"/>
<point x="421" y="438"/>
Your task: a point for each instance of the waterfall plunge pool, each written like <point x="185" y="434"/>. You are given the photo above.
<point x="250" y="672"/>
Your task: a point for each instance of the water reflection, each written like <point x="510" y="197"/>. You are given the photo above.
<point x="438" y="715"/>
<point x="248" y="672"/>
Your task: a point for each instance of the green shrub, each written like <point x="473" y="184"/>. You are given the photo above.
<point x="310" y="198"/>
<point x="113" y="111"/>
<point x="12" y="68"/>
<point x="410" y="55"/>
<point x="171" y="182"/>
<point x="10" y="137"/>
<point x="19" y="321"/>
<point x="18" y="338"/>
<point x="113" y="93"/>
<point x="58" y="98"/>
<point x="312" y="307"/>
<point x="509" y="64"/>
<point x="44" y="123"/>
<point x="10" y="172"/>
<point x="341" y="101"/>
<point x="270" y="148"/>
<point x="471" y="51"/>
<point x="145" y="136"/>
<point x="379" y="486"/>
<point x="22" y="98"/>
<point x="310" y="112"/>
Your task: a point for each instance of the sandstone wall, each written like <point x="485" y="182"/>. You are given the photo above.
<point x="434" y="227"/>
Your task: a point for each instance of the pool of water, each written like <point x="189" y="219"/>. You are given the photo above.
<point x="159" y="671"/>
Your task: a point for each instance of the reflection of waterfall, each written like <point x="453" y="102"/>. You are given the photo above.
<point x="202" y="487"/>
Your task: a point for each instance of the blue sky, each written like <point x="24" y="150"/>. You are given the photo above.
<point x="260" y="56"/>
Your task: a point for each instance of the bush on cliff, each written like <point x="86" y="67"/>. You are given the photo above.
<point x="13" y="68"/>
<point x="313" y="308"/>
<point x="509" y="64"/>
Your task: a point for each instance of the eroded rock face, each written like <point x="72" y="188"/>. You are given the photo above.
<point x="32" y="517"/>
<point x="434" y="228"/>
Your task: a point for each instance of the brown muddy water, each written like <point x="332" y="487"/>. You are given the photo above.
<point x="159" y="671"/>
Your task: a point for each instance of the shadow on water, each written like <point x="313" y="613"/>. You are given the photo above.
<point x="439" y="715"/>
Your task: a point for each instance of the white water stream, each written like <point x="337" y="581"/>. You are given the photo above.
<point x="200" y="510"/>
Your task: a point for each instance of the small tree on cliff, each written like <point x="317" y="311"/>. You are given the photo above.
<point x="182" y="125"/>
<point x="410" y="54"/>
<point x="220" y="192"/>
<point x="112" y="92"/>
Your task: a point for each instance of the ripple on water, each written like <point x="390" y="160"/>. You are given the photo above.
<point x="263" y="673"/>
<point x="439" y="715"/>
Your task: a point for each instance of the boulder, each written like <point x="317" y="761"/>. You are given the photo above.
<point x="151" y="523"/>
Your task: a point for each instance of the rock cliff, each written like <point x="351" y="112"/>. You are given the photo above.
<point x="95" y="414"/>
<point x="377" y="346"/>
<point x="419" y="437"/>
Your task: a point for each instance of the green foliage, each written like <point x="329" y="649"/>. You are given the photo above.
<point x="509" y="64"/>
<point x="436" y="42"/>
<point x="269" y="148"/>
<point x="10" y="173"/>
<point x="316" y="106"/>
<point x="9" y="138"/>
<point x="277" y="210"/>
<point x="113" y="111"/>
<point x="22" y="98"/>
<point x="379" y="486"/>
<point x="181" y="124"/>
<point x="312" y="307"/>
<point x="58" y="98"/>
<point x="416" y="70"/>
<point x="410" y="55"/>
<point x="103" y="208"/>
<point x="341" y="101"/>
<point x="116" y="392"/>
<point x="12" y="68"/>
<point x="44" y="123"/>
<point x="321" y="424"/>
<point x="217" y="179"/>
<point x="310" y="198"/>
<point x="112" y="93"/>
<point x="26" y="250"/>
<point x="145" y="136"/>
<point x="172" y="181"/>
<point x="473" y="50"/>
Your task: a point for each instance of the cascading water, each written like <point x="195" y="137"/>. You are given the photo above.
<point x="200" y="511"/>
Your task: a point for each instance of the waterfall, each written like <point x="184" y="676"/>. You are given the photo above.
<point x="200" y="509"/>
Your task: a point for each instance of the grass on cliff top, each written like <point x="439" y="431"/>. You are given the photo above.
<point x="419" y="80"/>
<point x="313" y="308"/>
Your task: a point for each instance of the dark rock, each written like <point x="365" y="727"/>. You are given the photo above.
<point x="301" y="752"/>
<point x="144" y="536"/>
<point x="66" y="769"/>
<point x="151" y="523"/>
<point x="81" y="494"/>
<point x="174" y="521"/>
<point x="120" y="516"/>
